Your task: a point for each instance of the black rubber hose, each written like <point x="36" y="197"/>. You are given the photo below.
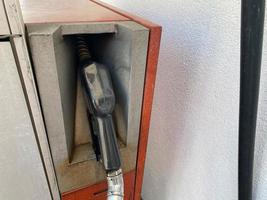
<point x="252" y="23"/>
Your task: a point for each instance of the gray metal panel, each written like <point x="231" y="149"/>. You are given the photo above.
<point x="49" y="73"/>
<point x="21" y="171"/>
<point x="14" y="16"/>
<point x="4" y="29"/>
<point x="29" y="83"/>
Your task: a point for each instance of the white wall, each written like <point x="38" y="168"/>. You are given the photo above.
<point x="192" y="152"/>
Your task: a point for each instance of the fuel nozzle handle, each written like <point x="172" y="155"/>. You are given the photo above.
<point x="108" y="144"/>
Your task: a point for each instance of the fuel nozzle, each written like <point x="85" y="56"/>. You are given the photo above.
<point x="100" y="100"/>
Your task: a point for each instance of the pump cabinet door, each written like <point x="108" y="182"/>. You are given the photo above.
<point x="22" y="174"/>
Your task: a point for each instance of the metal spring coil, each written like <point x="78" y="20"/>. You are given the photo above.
<point x="82" y="50"/>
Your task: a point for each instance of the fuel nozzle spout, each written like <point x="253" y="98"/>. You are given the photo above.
<point x="100" y="100"/>
<point x="115" y="185"/>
